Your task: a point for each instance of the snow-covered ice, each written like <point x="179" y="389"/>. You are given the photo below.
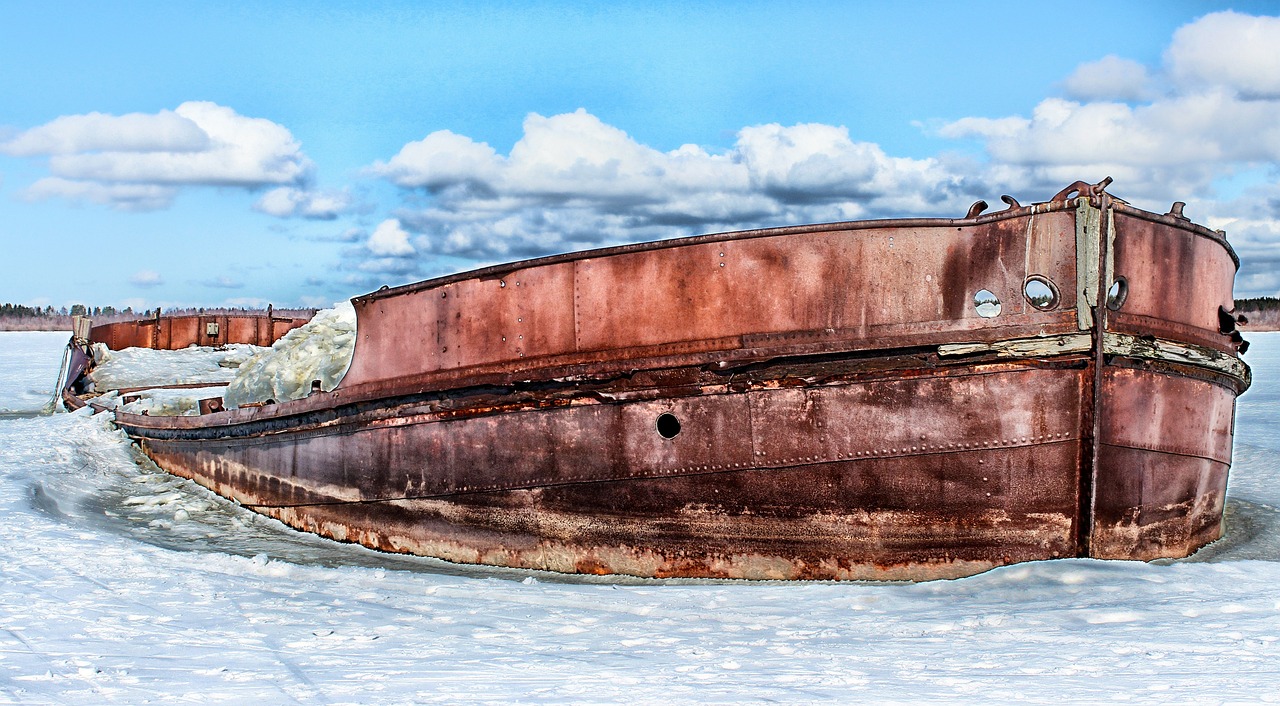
<point x="29" y="364"/>
<point x="161" y="402"/>
<point x="319" y="350"/>
<point x="120" y="584"/>
<point x="140" y="367"/>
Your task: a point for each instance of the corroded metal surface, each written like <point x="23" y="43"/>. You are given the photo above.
<point x="808" y="402"/>
<point x="827" y="287"/>
<point x="886" y="476"/>
<point x="176" y="332"/>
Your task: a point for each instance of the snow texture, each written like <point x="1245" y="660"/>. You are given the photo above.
<point x="120" y="584"/>
<point x="162" y="402"/>
<point x="319" y="350"/>
<point x="140" y="367"/>
<point x="29" y="363"/>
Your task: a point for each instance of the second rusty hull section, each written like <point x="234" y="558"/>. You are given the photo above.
<point x="908" y="476"/>
<point x="177" y="332"/>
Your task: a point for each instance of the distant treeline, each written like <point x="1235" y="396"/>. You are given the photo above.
<point x="17" y="317"/>
<point x="1263" y="313"/>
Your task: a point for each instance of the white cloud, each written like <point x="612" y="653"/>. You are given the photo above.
<point x="1175" y="131"/>
<point x="1216" y="123"/>
<point x="1215" y="120"/>
<point x="222" y="282"/>
<point x="166" y="131"/>
<point x="126" y="197"/>
<point x="389" y="239"/>
<point x="573" y="181"/>
<point x="1228" y="49"/>
<point x="441" y="159"/>
<point x="288" y="201"/>
<point x="1109" y="78"/>
<point x="92" y="157"/>
<point x="146" y="278"/>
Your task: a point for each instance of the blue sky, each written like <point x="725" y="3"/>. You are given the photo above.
<point x="296" y="153"/>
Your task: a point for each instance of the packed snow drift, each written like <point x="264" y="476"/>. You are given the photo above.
<point x="142" y="367"/>
<point x="122" y="584"/>
<point x="161" y="402"/>
<point x="29" y="362"/>
<point x="320" y="350"/>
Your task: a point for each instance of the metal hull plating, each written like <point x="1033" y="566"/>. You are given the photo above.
<point x="807" y="403"/>
<point x="871" y="477"/>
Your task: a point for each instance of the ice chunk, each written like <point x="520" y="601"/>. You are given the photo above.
<point x="161" y="402"/>
<point x="320" y="350"/>
<point x="143" y="367"/>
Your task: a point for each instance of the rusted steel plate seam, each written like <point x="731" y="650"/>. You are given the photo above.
<point x="701" y="470"/>
<point x="1123" y="322"/>
<point x="1171" y="449"/>
<point x="342" y="418"/>
<point x="721" y="352"/>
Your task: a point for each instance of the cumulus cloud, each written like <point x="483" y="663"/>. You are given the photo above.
<point x="166" y="131"/>
<point x="222" y="282"/>
<point x="95" y="157"/>
<point x="146" y="278"/>
<point x="1180" y="143"/>
<point x="1231" y="50"/>
<point x="440" y="160"/>
<point x="389" y="239"/>
<point x="573" y="181"/>
<point x="288" y="202"/>
<point x="1179" y="130"/>
<point x="125" y="197"/>
<point x="1109" y="78"/>
<point x="1220" y="115"/>
<point x="1215" y="124"/>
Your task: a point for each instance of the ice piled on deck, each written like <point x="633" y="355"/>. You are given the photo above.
<point x="320" y="350"/>
<point x="144" y="367"/>
<point x="183" y="402"/>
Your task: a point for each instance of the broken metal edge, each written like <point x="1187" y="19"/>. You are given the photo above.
<point x="1113" y="344"/>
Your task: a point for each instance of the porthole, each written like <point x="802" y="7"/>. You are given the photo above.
<point x="987" y="304"/>
<point x="1041" y="293"/>
<point x="1117" y="293"/>
<point x="668" y="425"/>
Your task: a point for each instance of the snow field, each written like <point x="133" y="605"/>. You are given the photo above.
<point x="120" y="584"/>
<point x="29" y="363"/>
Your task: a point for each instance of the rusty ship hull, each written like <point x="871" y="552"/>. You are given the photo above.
<point x="867" y="400"/>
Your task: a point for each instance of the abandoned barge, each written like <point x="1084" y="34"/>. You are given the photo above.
<point x="900" y="399"/>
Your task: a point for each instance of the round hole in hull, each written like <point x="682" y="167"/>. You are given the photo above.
<point x="987" y="304"/>
<point x="1041" y="293"/>
<point x="1117" y="293"/>
<point x="668" y="425"/>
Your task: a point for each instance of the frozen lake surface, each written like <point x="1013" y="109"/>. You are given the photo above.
<point x="120" y="584"/>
